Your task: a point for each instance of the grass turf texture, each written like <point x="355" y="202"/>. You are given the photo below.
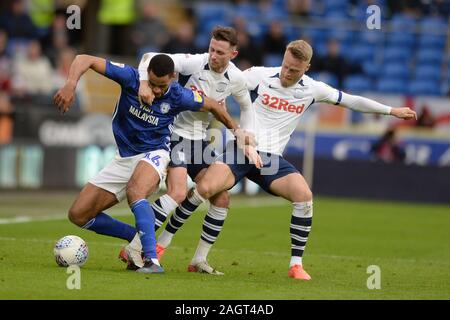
<point x="409" y="242"/>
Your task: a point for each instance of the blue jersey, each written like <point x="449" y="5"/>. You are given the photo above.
<point x="140" y="128"/>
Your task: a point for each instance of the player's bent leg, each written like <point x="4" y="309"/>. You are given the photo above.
<point x="212" y="226"/>
<point x="90" y="202"/>
<point x="87" y="213"/>
<point x="218" y="177"/>
<point x="176" y="183"/>
<point x="176" y="193"/>
<point x="294" y="188"/>
<point x="176" y="190"/>
<point x="143" y="182"/>
<point x="194" y="199"/>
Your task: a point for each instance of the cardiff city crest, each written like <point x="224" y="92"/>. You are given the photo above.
<point x="165" y="107"/>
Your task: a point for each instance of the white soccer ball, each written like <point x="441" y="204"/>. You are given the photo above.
<point x="71" y="250"/>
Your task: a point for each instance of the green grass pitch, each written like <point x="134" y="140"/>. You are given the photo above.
<point x="409" y="242"/>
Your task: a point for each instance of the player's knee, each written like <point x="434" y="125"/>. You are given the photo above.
<point x="302" y="195"/>
<point x="308" y="195"/>
<point x="178" y="195"/>
<point x="77" y="217"/>
<point x="205" y="190"/>
<point x="134" y="192"/>
<point x="221" y="200"/>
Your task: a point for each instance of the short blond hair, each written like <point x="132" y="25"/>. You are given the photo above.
<point x="300" y="49"/>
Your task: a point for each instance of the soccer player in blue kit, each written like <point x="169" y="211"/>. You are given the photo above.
<point x="142" y="133"/>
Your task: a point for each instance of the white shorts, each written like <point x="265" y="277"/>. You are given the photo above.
<point x="115" y="176"/>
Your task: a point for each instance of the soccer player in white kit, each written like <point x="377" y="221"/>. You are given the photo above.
<point x="213" y="75"/>
<point x="280" y="96"/>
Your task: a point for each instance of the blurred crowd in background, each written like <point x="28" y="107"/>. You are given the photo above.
<point x="409" y="55"/>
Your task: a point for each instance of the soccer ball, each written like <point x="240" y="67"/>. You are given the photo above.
<point x="70" y="250"/>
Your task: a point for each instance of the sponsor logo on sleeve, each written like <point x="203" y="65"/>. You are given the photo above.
<point x="197" y="97"/>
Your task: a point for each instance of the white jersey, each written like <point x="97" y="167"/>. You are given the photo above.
<point x="278" y="109"/>
<point x="194" y="73"/>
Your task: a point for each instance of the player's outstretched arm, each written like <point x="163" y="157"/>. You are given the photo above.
<point x="220" y="112"/>
<point x="65" y="96"/>
<point x="363" y="104"/>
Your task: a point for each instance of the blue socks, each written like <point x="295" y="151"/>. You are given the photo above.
<point x="105" y="225"/>
<point x="145" y="225"/>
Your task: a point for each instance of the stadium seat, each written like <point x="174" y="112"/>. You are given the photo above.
<point x="419" y="87"/>
<point x="362" y="52"/>
<point x="371" y="68"/>
<point x="357" y="83"/>
<point x="326" y="77"/>
<point x="335" y="5"/>
<point x="315" y="34"/>
<point x="396" y="53"/>
<point x="320" y="48"/>
<point x="403" y="22"/>
<point x="429" y="56"/>
<point x="404" y="39"/>
<point x="341" y="35"/>
<point x="207" y="11"/>
<point x="392" y="86"/>
<point x="395" y="70"/>
<point x="374" y="37"/>
<point x="427" y="72"/>
<point x="433" y="23"/>
<point x="272" y="60"/>
<point x="248" y="10"/>
<point x="427" y="40"/>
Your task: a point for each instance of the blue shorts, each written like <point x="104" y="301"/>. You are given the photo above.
<point x="274" y="167"/>
<point x="194" y="155"/>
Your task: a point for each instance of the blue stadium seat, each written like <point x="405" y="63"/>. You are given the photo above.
<point x="395" y="70"/>
<point x="248" y="10"/>
<point x="337" y="16"/>
<point x="427" y="72"/>
<point x="315" y="34"/>
<point x="272" y="60"/>
<point x="342" y="35"/>
<point x="374" y="37"/>
<point x="427" y="40"/>
<point x="362" y="52"/>
<point x="434" y="23"/>
<point x="207" y="11"/>
<point x="326" y="77"/>
<point x="357" y="83"/>
<point x="392" y="86"/>
<point x="405" y="39"/>
<point x="397" y="53"/>
<point x="430" y="56"/>
<point x="320" y="48"/>
<point x="335" y="5"/>
<point x="403" y="22"/>
<point x="419" y="87"/>
<point x="372" y="69"/>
